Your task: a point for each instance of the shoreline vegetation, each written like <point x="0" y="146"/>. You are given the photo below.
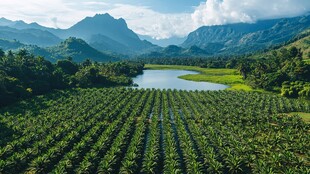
<point x="228" y="77"/>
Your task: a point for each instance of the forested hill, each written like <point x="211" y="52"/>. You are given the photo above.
<point x="29" y="36"/>
<point x="302" y="42"/>
<point x="79" y="50"/>
<point x="75" y="48"/>
<point x="284" y="69"/>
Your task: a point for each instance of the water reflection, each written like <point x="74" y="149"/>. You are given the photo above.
<point x="168" y="79"/>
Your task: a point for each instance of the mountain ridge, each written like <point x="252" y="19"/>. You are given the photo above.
<point x="107" y="34"/>
<point x="241" y="38"/>
<point x="100" y="24"/>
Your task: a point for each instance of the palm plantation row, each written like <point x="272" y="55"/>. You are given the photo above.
<point x="125" y="130"/>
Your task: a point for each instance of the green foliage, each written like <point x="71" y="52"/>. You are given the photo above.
<point x="67" y="66"/>
<point x="125" y="130"/>
<point x="296" y="89"/>
<point x="283" y="65"/>
<point x="23" y="75"/>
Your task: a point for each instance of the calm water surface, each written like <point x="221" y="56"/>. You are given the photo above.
<point x="168" y="79"/>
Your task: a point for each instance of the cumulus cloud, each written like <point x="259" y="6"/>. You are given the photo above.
<point x="216" y="12"/>
<point x="145" y="21"/>
<point x="67" y="12"/>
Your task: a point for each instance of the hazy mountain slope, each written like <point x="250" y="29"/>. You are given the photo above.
<point x="107" y="34"/>
<point x="301" y="41"/>
<point x="9" y="44"/>
<point x="124" y="40"/>
<point x="21" y="24"/>
<point x="109" y="29"/>
<point x="29" y="36"/>
<point x="173" y="51"/>
<point x="164" y="42"/>
<point x="104" y="43"/>
<point x="242" y="38"/>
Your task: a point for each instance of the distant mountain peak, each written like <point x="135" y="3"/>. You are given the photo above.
<point x="99" y="15"/>
<point x="2" y="18"/>
<point x="99" y="22"/>
<point x="105" y="16"/>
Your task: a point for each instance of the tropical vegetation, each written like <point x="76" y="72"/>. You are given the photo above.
<point x="23" y="75"/>
<point x="126" y="130"/>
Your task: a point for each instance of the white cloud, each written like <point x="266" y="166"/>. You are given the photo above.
<point x="148" y="22"/>
<point x="216" y="12"/>
<point x="143" y="20"/>
<point x="66" y="12"/>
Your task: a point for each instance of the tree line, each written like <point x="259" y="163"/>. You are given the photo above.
<point x="23" y="75"/>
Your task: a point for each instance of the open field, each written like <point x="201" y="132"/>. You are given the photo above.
<point x="304" y="116"/>
<point x="223" y="76"/>
<point x="125" y="130"/>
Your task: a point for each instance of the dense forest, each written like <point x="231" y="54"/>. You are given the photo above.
<point x="23" y="75"/>
<point x="285" y="69"/>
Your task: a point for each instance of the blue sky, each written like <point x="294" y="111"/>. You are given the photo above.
<point x="164" y="6"/>
<point x="159" y="19"/>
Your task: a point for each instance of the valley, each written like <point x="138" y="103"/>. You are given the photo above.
<point x="225" y="93"/>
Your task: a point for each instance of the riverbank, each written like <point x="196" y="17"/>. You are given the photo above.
<point x="228" y="77"/>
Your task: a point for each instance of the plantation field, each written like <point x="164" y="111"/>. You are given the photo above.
<point x="229" y="77"/>
<point x="124" y="130"/>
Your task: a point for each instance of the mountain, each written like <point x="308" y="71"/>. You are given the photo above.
<point x="29" y="36"/>
<point x="107" y="44"/>
<point x="21" y="25"/>
<point x="301" y="42"/>
<point x="242" y="38"/>
<point x="173" y="51"/>
<point x="101" y="31"/>
<point x="5" y="22"/>
<point x="107" y="34"/>
<point x="164" y="42"/>
<point x="79" y="50"/>
<point x="72" y="47"/>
